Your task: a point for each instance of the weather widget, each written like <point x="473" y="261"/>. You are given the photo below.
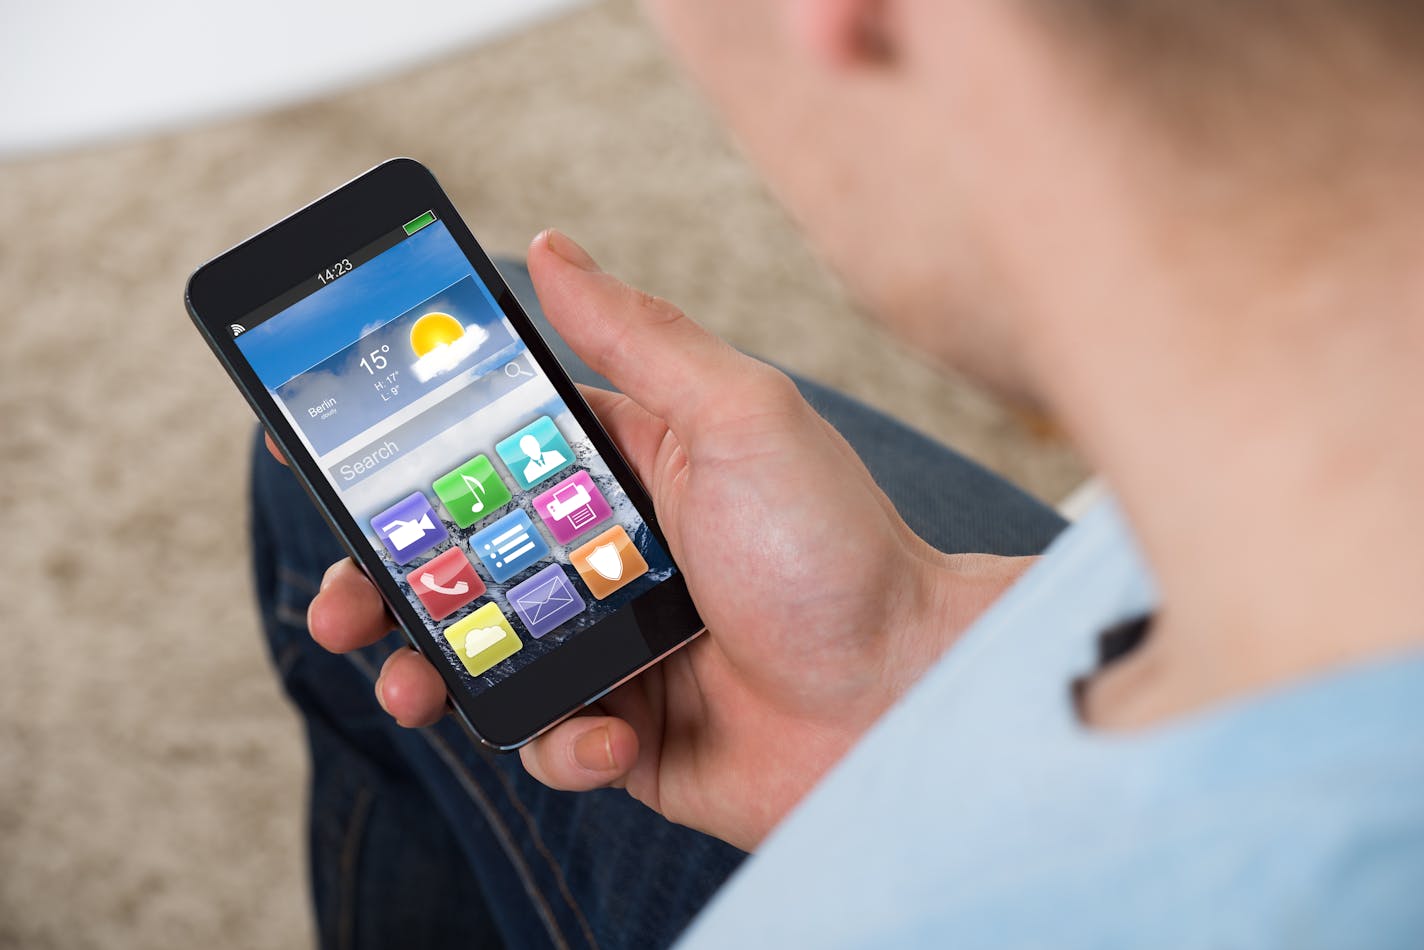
<point x="446" y="336"/>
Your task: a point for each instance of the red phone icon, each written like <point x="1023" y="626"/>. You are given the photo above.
<point x="446" y="584"/>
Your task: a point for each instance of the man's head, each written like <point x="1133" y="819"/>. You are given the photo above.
<point x="1002" y="181"/>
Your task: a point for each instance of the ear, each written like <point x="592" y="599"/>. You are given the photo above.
<point x="841" y="33"/>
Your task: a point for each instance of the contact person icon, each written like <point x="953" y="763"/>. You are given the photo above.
<point x="541" y="463"/>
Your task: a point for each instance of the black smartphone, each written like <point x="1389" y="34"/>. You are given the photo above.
<point x="430" y="424"/>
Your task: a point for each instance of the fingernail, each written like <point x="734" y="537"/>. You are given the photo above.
<point x="381" y="693"/>
<point x="594" y="750"/>
<point x="569" y="249"/>
<point x="326" y="577"/>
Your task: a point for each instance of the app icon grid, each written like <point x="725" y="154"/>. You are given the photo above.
<point x="568" y="508"/>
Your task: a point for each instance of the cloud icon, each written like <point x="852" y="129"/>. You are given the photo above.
<point x="480" y="639"/>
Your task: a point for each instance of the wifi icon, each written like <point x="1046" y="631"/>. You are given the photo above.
<point x="237" y="329"/>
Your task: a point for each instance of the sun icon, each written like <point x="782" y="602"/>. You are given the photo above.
<point x="432" y="330"/>
<point x="440" y="343"/>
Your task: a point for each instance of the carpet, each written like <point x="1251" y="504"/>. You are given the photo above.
<point x="151" y="776"/>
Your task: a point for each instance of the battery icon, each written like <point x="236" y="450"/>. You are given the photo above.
<point x="412" y="226"/>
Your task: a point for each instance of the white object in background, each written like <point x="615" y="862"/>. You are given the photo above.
<point x="72" y="72"/>
<point x="1080" y="500"/>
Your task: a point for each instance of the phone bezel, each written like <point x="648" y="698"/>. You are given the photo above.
<point x="248" y="276"/>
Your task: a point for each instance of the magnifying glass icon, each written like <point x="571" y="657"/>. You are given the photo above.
<point x="513" y="370"/>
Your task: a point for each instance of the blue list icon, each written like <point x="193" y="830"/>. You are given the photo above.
<point x="509" y="545"/>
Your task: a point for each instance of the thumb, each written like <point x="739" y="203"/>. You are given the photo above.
<point x="647" y="347"/>
<point x="582" y="754"/>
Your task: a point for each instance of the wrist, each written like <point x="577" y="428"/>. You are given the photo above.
<point x="939" y="597"/>
<point x="946" y="595"/>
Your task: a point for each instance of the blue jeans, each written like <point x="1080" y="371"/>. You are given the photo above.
<point x="419" y="838"/>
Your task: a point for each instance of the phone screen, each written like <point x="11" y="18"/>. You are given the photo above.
<point x="440" y="433"/>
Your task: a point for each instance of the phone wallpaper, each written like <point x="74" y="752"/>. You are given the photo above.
<point x="484" y="497"/>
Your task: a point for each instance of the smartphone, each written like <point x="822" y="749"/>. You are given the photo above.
<point x="456" y="460"/>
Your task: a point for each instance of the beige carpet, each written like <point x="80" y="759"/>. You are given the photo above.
<point x="151" y="779"/>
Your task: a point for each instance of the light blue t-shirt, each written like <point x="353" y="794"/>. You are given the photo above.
<point x="980" y="813"/>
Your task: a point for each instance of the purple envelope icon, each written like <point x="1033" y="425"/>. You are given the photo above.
<point x="545" y="600"/>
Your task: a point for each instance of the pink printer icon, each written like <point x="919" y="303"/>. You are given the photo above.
<point x="572" y="507"/>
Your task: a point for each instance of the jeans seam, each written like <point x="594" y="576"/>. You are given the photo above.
<point x="477" y="795"/>
<point x="350" y="848"/>
<point x="544" y="850"/>
<point x="291" y="616"/>
<point x="297" y="579"/>
<point x="287" y="659"/>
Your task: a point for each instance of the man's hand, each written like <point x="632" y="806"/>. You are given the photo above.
<point x="821" y="605"/>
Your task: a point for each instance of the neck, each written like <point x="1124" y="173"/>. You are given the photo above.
<point x="1272" y="467"/>
<point x="1235" y="345"/>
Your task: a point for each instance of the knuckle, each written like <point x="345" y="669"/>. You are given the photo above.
<point x="623" y="337"/>
<point x="658" y="310"/>
<point x="613" y="345"/>
<point x="775" y="389"/>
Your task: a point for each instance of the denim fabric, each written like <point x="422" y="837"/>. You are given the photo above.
<point x="419" y="838"/>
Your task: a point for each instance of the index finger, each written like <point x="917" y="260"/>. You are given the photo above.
<point x="347" y="613"/>
<point x="638" y="433"/>
<point x="644" y="345"/>
<point x="272" y="447"/>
